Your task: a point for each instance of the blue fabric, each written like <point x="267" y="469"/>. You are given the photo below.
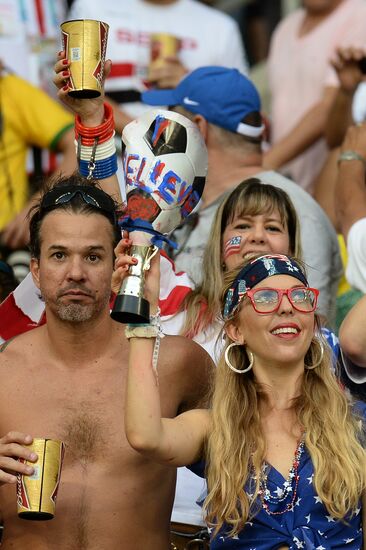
<point x="103" y="168"/>
<point x="223" y="96"/>
<point x="308" y="526"/>
<point x="137" y="224"/>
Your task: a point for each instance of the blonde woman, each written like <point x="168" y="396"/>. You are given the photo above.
<point x="283" y="447"/>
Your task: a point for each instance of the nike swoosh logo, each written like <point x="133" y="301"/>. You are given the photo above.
<point x="188" y="101"/>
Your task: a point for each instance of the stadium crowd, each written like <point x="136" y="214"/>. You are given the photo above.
<point x="234" y="415"/>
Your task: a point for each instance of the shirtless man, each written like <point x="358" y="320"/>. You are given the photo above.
<point x="66" y="380"/>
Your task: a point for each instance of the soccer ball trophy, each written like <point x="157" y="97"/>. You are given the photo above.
<point x="165" y="166"/>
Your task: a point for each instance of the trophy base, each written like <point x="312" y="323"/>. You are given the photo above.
<point x="131" y="309"/>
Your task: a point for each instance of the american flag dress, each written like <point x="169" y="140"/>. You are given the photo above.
<point x="308" y="525"/>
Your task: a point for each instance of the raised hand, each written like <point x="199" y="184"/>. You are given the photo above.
<point x="91" y="111"/>
<point x="122" y="264"/>
<point x="346" y="64"/>
<point x="169" y="74"/>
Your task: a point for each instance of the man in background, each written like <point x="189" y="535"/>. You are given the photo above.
<point x="226" y="107"/>
<point x="206" y="37"/>
<point x="303" y="84"/>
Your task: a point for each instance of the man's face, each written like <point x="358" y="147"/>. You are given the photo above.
<point x="75" y="266"/>
<point x="321" y="6"/>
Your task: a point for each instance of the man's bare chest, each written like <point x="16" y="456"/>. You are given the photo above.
<point x="86" y="412"/>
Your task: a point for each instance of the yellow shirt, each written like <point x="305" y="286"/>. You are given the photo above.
<point x="28" y="117"/>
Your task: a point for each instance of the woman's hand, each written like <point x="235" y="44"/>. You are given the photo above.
<point x="91" y="111"/>
<point x="124" y="259"/>
<point x="122" y="262"/>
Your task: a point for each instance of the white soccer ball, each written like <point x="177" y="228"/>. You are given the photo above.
<point x="165" y="166"/>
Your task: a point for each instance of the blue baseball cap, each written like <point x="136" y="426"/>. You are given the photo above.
<point x="223" y="96"/>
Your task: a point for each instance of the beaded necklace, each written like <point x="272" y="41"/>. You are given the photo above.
<point x="289" y="486"/>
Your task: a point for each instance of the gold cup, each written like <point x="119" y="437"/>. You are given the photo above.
<point x="162" y="45"/>
<point x="36" y="494"/>
<point x="85" y="44"/>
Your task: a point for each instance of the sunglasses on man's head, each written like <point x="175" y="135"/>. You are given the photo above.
<point x="90" y="195"/>
<point x="268" y="300"/>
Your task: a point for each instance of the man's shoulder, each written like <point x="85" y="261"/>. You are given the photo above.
<point x="17" y="347"/>
<point x="184" y="353"/>
<point x="183" y="345"/>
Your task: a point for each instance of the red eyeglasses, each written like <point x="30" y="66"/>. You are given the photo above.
<point x="268" y="300"/>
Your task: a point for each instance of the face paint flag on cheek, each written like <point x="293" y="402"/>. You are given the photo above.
<point x="232" y="246"/>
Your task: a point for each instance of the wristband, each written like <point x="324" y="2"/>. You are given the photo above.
<point x="99" y="161"/>
<point x="351" y="155"/>
<point x="142" y="331"/>
<point x="153" y="330"/>
<point x="103" y="132"/>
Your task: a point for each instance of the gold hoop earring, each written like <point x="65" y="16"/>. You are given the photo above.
<point x="231" y="366"/>
<point x="321" y="355"/>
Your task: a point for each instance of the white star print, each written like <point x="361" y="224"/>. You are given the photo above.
<point x="279" y="492"/>
<point x="321" y="547"/>
<point x="348" y="540"/>
<point x="298" y="543"/>
<point x="297" y="503"/>
<point x="308" y="518"/>
<point x="357" y="511"/>
<point x="310" y="479"/>
<point x="318" y="499"/>
<point x="330" y="519"/>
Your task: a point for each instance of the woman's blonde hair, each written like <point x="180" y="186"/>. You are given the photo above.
<point x="250" y="198"/>
<point x="236" y="446"/>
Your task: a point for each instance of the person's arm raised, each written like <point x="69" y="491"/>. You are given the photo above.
<point x="350" y="186"/>
<point x="346" y="65"/>
<point x="90" y="111"/>
<point x="306" y="132"/>
<point x="352" y="334"/>
<point x="177" y="441"/>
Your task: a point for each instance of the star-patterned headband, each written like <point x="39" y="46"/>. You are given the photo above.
<point x="256" y="271"/>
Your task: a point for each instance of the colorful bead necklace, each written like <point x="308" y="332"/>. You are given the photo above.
<point x="289" y="486"/>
